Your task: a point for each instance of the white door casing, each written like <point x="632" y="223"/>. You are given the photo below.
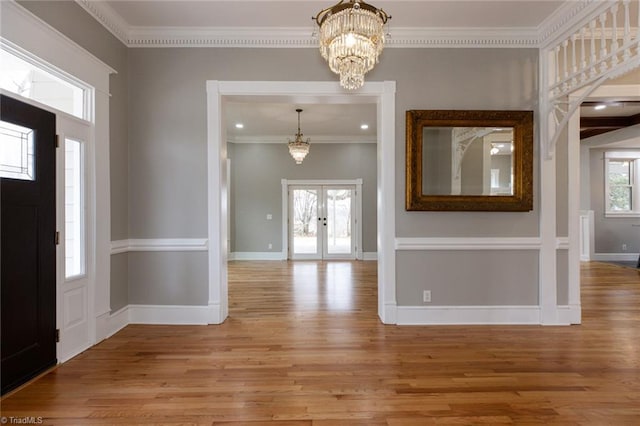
<point x="380" y="93"/>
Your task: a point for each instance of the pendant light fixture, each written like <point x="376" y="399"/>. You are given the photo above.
<point x="299" y="148"/>
<point x="351" y="39"/>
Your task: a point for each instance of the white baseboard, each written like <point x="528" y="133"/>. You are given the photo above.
<point x="605" y="257"/>
<point x="370" y="255"/>
<point x="168" y="314"/>
<point x="269" y="255"/>
<point x="109" y="324"/>
<point x="159" y="244"/>
<point x="570" y="314"/>
<point x="462" y="315"/>
<point x="256" y="255"/>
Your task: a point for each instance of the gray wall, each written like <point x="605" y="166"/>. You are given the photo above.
<point x="72" y="21"/>
<point x="610" y="233"/>
<point x="166" y="143"/>
<point x="470" y="278"/>
<point x="256" y="173"/>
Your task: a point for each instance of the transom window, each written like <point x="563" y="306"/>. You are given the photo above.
<point x="622" y="183"/>
<point x="23" y="78"/>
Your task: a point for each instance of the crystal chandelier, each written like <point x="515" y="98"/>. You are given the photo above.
<point x="351" y="39"/>
<point x="298" y="148"/>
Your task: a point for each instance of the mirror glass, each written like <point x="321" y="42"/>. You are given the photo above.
<point x="467" y="161"/>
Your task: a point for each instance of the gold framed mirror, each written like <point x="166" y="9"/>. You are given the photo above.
<point x="469" y="160"/>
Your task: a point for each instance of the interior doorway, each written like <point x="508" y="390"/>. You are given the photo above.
<point x="381" y="94"/>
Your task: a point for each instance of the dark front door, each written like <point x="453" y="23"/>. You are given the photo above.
<point x="28" y="226"/>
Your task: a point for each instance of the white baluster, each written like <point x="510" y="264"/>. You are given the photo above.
<point x="565" y="66"/>
<point x="638" y="30"/>
<point x="626" y="37"/>
<point x="556" y="54"/>
<point x="574" y="69"/>
<point x="583" y="55"/>
<point x="603" y="44"/>
<point x="593" y="59"/>
<point x="614" y="43"/>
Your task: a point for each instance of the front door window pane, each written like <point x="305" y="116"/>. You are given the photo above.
<point x="16" y="152"/>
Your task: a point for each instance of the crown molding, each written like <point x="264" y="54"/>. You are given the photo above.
<point x="302" y="38"/>
<point x="220" y="37"/>
<point x="567" y="15"/>
<point x="109" y="18"/>
<point x="462" y="37"/>
<point x="313" y="139"/>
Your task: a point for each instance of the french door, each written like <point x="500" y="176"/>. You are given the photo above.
<point x="322" y="221"/>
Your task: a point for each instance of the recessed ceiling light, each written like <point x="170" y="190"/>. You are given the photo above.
<point x="364" y="126"/>
<point x="599" y="107"/>
<point x="239" y="126"/>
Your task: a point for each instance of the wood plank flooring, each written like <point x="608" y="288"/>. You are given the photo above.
<point x="303" y="346"/>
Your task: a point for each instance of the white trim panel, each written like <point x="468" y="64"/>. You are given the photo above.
<point x="464" y="315"/>
<point x="159" y="244"/>
<point x="168" y="314"/>
<point x="525" y="243"/>
<point x="562" y="243"/>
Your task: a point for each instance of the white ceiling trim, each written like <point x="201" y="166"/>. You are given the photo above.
<point x="109" y="19"/>
<point x="300" y="37"/>
<point x="312" y="139"/>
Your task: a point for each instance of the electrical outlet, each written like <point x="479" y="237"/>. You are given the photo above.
<point x="269" y="216"/>
<point x="624" y="247"/>
<point x="270" y="246"/>
<point x="426" y="296"/>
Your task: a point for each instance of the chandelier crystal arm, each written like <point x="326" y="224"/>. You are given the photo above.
<point x="351" y="35"/>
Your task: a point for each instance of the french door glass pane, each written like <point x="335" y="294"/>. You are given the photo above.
<point x="338" y="221"/>
<point x="73" y="209"/>
<point x="16" y="152"/>
<point x="305" y="221"/>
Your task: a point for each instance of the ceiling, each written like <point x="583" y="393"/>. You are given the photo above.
<point x="617" y="114"/>
<point x="272" y="121"/>
<point x="298" y="13"/>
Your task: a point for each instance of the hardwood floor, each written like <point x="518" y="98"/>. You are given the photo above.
<point x="303" y="346"/>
